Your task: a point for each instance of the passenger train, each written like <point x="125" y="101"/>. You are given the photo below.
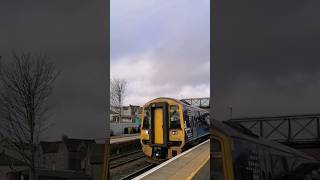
<point x="169" y="126"/>
<point x="238" y="154"/>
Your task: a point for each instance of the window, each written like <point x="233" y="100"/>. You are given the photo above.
<point x="217" y="162"/>
<point x="147" y="119"/>
<point x="263" y="176"/>
<point x="186" y="116"/>
<point x="201" y="120"/>
<point x="174" y="117"/>
<point x="215" y="146"/>
<point x="192" y="118"/>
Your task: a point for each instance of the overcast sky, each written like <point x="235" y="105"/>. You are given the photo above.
<point x="161" y="48"/>
<point x="73" y="34"/>
<point x="266" y="58"/>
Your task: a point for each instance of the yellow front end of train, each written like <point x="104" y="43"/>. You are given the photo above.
<point x="162" y="129"/>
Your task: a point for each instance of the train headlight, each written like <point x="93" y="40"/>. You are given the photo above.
<point x="174" y="132"/>
<point x="147" y="132"/>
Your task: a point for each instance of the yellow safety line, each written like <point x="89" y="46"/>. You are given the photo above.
<point x="198" y="169"/>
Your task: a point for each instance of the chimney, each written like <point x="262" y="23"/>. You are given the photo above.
<point x="64" y="138"/>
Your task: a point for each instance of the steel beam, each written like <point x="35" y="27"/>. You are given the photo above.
<point x="298" y="125"/>
<point x="199" y="102"/>
<point x="261" y="128"/>
<point x="289" y="130"/>
<point x="318" y="128"/>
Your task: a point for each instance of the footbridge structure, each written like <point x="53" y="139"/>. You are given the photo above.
<point x="298" y="131"/>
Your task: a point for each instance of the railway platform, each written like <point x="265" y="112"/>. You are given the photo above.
<point x="124" y="138"/>
<point x="191" y="164"/>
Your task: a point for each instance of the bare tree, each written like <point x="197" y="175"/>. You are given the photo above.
<point x="26" y="82"/>
<point x="118" y="89"/>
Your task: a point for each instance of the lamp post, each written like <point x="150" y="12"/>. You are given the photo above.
<point x="230" y="108"/>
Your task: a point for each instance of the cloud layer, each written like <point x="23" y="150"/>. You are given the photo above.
<point x="266" y="59"/>
<point x="161" y="49"/>
<point x="73" y="34"/>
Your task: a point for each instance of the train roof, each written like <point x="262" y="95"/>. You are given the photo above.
<point x="178" y="101"/>
<point x="237" y="131"/>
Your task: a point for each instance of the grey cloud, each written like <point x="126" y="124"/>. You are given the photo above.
<point x="267" y="58"/>
<point x="72" y="33"/>
<point x="174" y="36"/>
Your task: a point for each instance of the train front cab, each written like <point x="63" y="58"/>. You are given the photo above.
<point x="162" y="133"/>
<point x="220" y="155"/>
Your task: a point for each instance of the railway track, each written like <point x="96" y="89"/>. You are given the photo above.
<point x="129" y="165"/>
<point x="138" y="172"/>
<point x="124" y="155"/>
<point x="123" y="159"/>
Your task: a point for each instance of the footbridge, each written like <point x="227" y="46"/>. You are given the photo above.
<point x="298" y="131"/>
<point x="203" y="103"/>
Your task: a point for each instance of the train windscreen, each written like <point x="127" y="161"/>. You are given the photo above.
<point x="174" y="117"/>
<point x="146" y="119"/>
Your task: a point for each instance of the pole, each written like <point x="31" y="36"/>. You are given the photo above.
<point x="230" y="108"/>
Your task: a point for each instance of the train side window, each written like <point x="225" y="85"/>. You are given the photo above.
<point x="174" y="117"/>
<point x="185" y="113"/>
<point x="203" y="118"/>
<point x="199" y="119"/>
<point x="217" y="161"/>
<point x="146" y="119"/>
<point x="263" y="176"/>
<point x="186" y="116"/>
<point x="215" y="146"/>
<point x="246" y="174"/>
<point x="188" y="123"/>
<point x="198" y="116"/>
<point x="270" y="176"/>
<point x="207" y="118"/>
<point x="192" y="120"/>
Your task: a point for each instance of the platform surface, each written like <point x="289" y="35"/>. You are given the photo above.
<point x="120" y="139"/>
<point x="192" y="164"/>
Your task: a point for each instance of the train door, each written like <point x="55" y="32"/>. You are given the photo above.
<point x="158" y="128"/>
<point x="159" y="121"/>
<point x="217" y="161"/>
<point x="220" y="155"/>
<point x="159" y="134"/>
